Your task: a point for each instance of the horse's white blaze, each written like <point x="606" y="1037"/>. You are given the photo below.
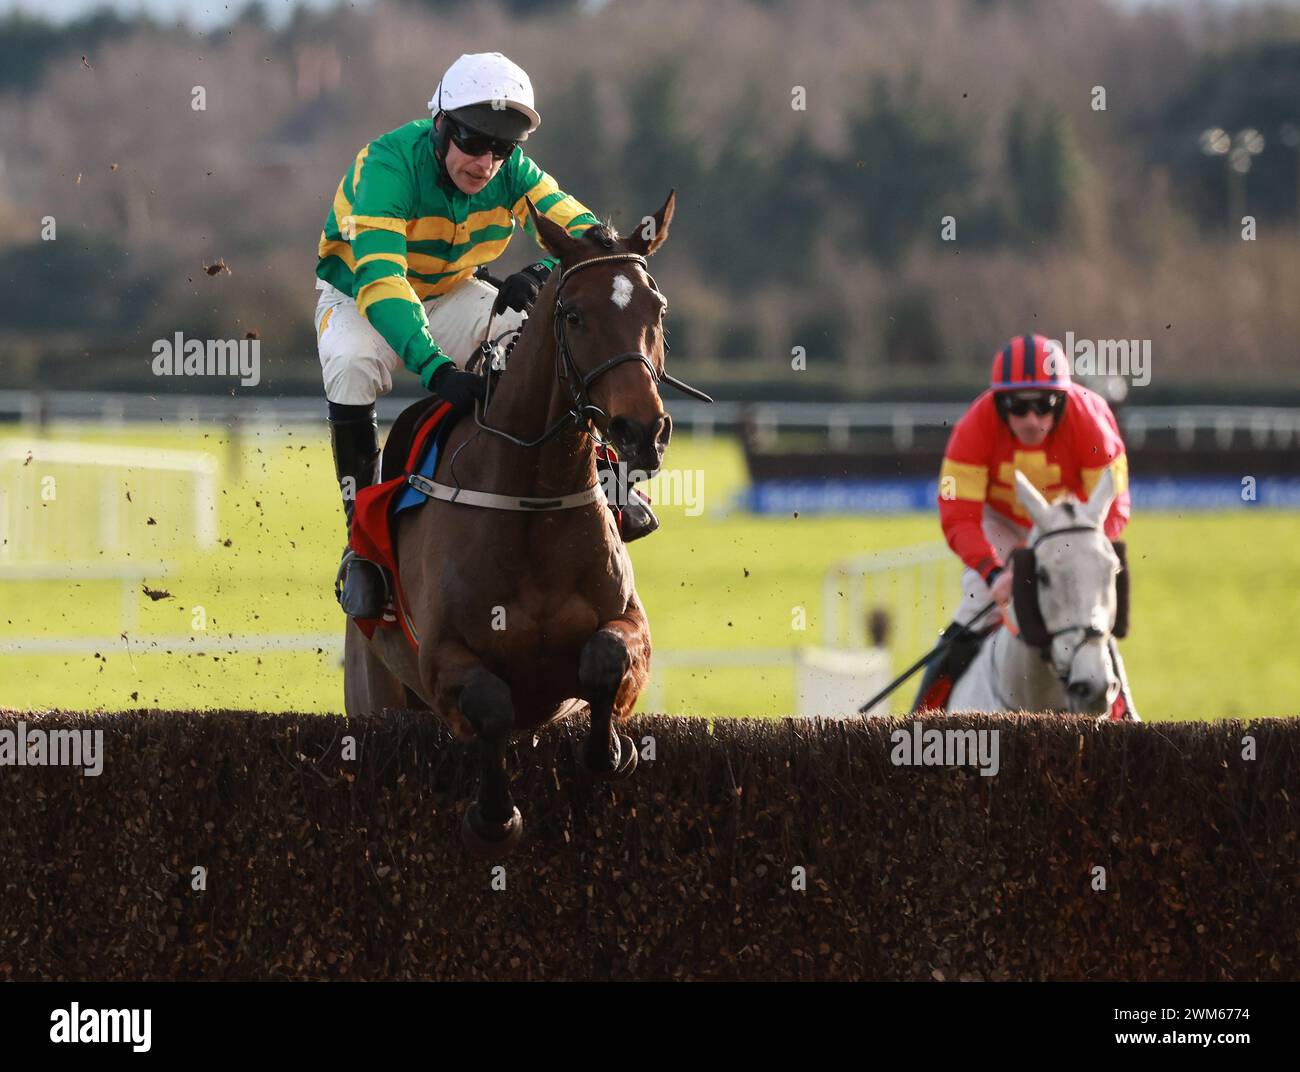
<point x="622" y="291"/>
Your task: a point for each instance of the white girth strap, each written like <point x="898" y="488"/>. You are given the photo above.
<point x="492" y="501"/>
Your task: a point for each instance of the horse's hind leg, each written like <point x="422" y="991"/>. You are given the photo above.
<point x="613" y="668"/>
<point x="492" y="825"/>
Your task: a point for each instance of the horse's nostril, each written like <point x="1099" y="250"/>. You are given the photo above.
<point x="1080" y="690"/>
<point x="665" y="430"/>
<point x="620" y="430"/>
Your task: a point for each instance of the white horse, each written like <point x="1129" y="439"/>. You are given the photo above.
<point x="1058" y="653"/>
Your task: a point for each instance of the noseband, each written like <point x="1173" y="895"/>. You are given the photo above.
<point x="581" y="409"/>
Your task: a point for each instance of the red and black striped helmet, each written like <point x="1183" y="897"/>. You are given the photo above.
<point x="1030" y="363"/>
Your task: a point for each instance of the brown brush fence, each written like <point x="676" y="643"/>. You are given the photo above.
<point x="319" y="868"/>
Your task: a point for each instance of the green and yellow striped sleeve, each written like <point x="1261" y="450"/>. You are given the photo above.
<point x="384" y="202"/>
<point x="533" y="184"/>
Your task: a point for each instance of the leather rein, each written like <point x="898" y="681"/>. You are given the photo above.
<point x="581" y="410"/>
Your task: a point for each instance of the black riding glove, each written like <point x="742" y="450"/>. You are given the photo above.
<point x="461" y="389"/>
<point x="519" y="291"/>
<point x="481" y="272"/>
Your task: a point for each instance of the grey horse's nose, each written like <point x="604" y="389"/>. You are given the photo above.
<point x="1081" y="691"/>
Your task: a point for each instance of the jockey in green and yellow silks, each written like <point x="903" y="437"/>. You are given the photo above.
<point x="419" y="212"/>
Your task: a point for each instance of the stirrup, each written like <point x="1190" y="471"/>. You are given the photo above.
<point x="363" y="598"/>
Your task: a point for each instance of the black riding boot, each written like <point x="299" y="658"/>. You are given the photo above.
<point x="951" y="663"/>
<point x="361" y="586"/>
<point x="630" y="507"/>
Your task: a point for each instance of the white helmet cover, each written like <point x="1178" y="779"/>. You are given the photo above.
<point x="485" y="78"/>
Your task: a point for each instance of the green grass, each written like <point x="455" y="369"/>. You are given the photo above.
<point x="1216" y="597"/>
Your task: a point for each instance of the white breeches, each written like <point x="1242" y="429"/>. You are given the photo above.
<point x="1005" y="536"/>
<point x="358" y="366"/>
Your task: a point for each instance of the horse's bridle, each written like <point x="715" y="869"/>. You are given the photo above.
<point x="1090" y="632"/>
<point x="582" y="410"/>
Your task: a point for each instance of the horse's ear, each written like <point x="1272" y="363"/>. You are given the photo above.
<point x="1102" y="496"/>
<point x="554" y="238"/>
<point x="652" y="231"/>
<point x="1031" y="499"/>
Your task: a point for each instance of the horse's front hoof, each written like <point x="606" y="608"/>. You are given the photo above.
<point x="488" y="840"/>
<point x="625" y="761"/>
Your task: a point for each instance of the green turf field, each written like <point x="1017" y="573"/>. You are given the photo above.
<point x="1216" y="598"/>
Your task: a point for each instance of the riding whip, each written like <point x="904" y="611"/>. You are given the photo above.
<point x="924" y="659"/>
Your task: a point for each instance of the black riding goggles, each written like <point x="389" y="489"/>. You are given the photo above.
<point x="472" y="143"/>
<point x="1043" y="405"/>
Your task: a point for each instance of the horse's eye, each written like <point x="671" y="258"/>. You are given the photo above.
<point x="572" y="317"/>
<point x="1042" y="578"/>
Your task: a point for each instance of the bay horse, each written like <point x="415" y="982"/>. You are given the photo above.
<point x="521" y="592"/>
<point x="1056" y="650"/>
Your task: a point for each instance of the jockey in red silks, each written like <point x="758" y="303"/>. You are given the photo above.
<point x="1062" y="436"/>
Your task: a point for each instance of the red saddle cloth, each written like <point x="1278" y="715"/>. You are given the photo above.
<point x="372" y="521"/>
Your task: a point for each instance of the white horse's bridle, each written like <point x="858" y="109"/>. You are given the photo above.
<point x="1090" y="632"/>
